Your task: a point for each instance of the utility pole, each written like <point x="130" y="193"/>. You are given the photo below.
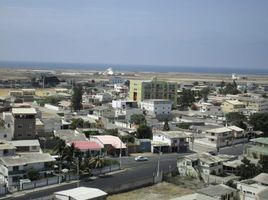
<point x="158" y="162"/>
<point x="120" y="155"/>
<point x="77" y="160"/>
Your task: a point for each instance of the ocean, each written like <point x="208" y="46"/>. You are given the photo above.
<point x="135" y="68"/>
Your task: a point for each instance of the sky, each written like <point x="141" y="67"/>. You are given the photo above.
<point x="211" y="33"/>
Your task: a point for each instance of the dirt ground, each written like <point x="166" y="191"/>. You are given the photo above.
<point x="161" y="190"/>
<point x="39" y="91"/>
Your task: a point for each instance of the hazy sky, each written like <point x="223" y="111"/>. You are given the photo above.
<point x="230" y="33"/>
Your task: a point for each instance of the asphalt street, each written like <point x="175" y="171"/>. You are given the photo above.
<point x="133" y="171"/>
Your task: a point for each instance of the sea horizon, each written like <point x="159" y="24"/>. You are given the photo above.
<point x="132" y="68"/>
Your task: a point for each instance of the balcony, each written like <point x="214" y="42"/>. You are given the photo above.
<point x="17" y="172"/>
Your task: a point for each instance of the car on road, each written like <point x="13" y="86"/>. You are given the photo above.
<point x="141" y="158"/>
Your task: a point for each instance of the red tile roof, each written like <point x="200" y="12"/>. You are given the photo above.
<point x="87" y="145"/>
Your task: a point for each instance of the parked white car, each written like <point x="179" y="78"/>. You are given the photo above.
<point x="141" y="158"/>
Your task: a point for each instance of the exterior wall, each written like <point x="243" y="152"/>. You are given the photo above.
<point x="155" y="108"/>
<point x="249" y="192"/>
<point x="4" y="135"/>
<point x="24" y="128"/>
<point x="141" y="90"/>
<point x="228" y="107"/>
<point x="10" y="152"/>
<point x="51" y="107"/>
<point x="207" y="169"/>
<point x="161" y="138"/>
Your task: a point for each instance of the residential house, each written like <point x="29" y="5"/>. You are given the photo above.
<point x="91" y="147"/>
<point x="256" y="188"/>
<point x="156" y="107"/>
<point x="140" y="90"/>
<point x="29" y="146"/>
<point x="221" y="192"/>
<point x="232" y="106"/>
<point x="16" y="167"/>
<point x="23" y="123"/>
<point x="176" y="141"/>
<point x="125" y="109"/>
<point x="70" y="136"/>
<point x="195" y="196"/>
<point x="6" y="149"/>
<point x="258" y="148"/>
<point x="112" y="144"/>
<point x="223" y="136"/>
<point x="80" y="193"/>
<point x="202" y="164"/>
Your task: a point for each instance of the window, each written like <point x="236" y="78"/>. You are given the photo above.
<point x="15" y="168"/>
<point x="5" y="151"/>
<point x="19" y="126"/>
<point x="5" y="136"/>
<point x="212" y="134"/>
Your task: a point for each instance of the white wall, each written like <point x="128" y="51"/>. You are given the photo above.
<point x="156" y="108"/>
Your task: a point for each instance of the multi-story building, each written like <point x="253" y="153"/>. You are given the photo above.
<point x="176" y="141"/>
<point x="155" y="107"/>
<point x="153" y="89"/>
<point x="124" y="109"/>
<point x="23" y="123"/>
<point x="255" y="103"/>
<point x="223" y="136"/>
<point x="258" y="148"/>
<point x="202" y="164"/>
<point x="15" y="166"/>
<point x="233" y="106"/>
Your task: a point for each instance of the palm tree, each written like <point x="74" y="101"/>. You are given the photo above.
<point x="60" y="149"/>
<point x="96" y="162"/>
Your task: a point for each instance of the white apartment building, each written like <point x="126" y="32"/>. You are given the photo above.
<point x="176" y="141"/>
<point x="155" y="107"/>
<point x="125" y="108"/>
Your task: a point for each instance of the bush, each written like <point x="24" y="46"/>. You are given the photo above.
<point x="183" y="125"/>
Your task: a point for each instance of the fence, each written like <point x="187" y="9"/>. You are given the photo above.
<point x="40" y="183"/>
<point x="105" y="170"/>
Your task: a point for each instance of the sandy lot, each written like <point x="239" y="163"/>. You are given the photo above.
<point x="162" y="191"/>
<point x="39" y="91"/>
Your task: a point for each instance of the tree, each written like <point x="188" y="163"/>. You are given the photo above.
<point x="77" y="123"/>
<point x="230" y="88"/>
<point x="259" y="121"/>
<point x="186" y="99"/>
<point x="247" y="169"/>
<point x="237" y="119"/>
<point x="96" y="162"/>
<point x="137" y="119"/>
<point x="204" y="93"/>
<point x="144" y="132"/>
<point x="77" y="98"/>
<point x="263" y="162"/>
<point x="33" y="174"/>
<point x="166" y="126"/>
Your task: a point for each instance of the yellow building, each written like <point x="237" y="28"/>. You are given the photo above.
<point x="232" y="106"/>
<point x="140" y="90"/>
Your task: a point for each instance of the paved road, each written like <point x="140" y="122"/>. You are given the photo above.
<point x="134" y="171"/>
